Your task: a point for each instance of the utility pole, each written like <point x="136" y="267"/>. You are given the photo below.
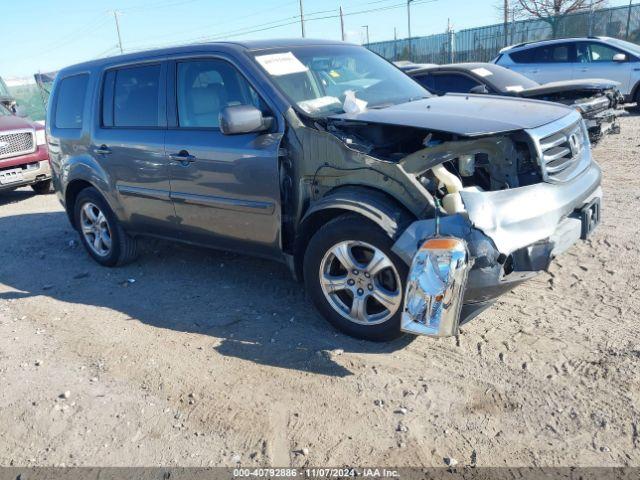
<point x="367" y="27"/>
<point x="628" y="20"/>
<point x="341" y="23"/>
<point x="115" y="16"/>
<point x="395" y="43"/>
<point x="506" y="22"/>
<point x="409" y="25"/>
<point x="302" y="19"/>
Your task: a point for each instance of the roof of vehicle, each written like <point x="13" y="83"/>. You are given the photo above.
<point x="549" y="42"/>
<point x="451" y="66"/>
<point x="407" y="66"/>
<point x="224" y="46"/>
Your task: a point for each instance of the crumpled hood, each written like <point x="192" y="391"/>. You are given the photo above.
<point x="591" y="84"/>
<point x="465" y="115"/>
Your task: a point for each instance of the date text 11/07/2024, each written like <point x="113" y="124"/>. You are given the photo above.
<point x="315" y="472"/>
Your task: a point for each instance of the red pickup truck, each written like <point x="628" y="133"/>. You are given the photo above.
<point x="24" y="159"/>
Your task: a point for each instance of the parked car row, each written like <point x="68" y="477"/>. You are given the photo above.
<point x="577" y="59"/>
<point x="599" y="101"/>
<point x="401" y="210"/>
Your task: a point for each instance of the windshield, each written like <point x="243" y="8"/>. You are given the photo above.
<point x="632" y="47"/>
<point x="504" y="79"/>
<point x="317" y="79"/>
<point x="4" y="111"/>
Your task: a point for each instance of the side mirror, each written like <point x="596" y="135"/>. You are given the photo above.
<point x="481" y="89"/>
<point x="20" y="111"/>
<point x="619" y="57"/>
<point x="239" y="119"/>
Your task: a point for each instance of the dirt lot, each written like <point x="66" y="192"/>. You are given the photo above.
<point x="195" y="357"/>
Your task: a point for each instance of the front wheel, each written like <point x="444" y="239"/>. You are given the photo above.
<point x="354" y="279"/>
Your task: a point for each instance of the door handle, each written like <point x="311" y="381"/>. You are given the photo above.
<point x="103" y="150"/>
<point x="183" y="157"/>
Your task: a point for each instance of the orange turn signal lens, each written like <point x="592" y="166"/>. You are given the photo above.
<point x="440" y="244"/>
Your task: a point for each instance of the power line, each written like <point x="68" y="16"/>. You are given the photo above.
<point x="231" y="21"/>
<point x="88" y="28"/>
<point x="293" y="20"/>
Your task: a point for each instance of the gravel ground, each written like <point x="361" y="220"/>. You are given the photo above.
<point x="194" y="357"/>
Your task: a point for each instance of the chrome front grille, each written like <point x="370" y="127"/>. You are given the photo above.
<point x="17" y="143"/>
<point x="563" y="148"/>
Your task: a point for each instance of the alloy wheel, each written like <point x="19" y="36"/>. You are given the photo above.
<point x="360" y="282"/>
<point x="95" y="229"/>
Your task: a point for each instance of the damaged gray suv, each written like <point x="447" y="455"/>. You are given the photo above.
<point x="401" y="211"/>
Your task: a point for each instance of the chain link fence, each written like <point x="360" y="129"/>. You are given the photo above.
<point x="482" y="44"/>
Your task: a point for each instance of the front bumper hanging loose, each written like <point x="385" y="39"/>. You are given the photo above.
<point x="503" y="239"/>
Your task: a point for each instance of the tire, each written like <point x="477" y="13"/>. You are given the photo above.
<point x="42" y="188"/>
<point x="93" y="218"/>
<point x="352" y="239"/>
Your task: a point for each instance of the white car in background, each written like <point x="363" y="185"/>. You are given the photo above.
<point x="577" y="58"/>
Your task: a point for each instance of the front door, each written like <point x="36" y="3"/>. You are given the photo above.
<point x="595" y="60"/>
<point x="225" y="188"/>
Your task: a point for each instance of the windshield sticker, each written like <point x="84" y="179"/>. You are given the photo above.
<point x="316" y="104"/>
<point x="279" y="64"/>
<point x="483" y="72"/>
<point x="514" y="88"/>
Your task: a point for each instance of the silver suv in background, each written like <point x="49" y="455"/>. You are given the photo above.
<point x="577" y="58"/>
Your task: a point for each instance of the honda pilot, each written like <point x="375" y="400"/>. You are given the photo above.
<point x="400" y="211"/>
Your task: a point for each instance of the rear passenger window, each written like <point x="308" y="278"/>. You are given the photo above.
<point x="70" y="101"/>
<point x="205" y="87"/>
<point x="523" y="56"/>
<point x="131" y="97"/>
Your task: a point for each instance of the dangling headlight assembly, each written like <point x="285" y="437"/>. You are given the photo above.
<point x="435" y="288"/>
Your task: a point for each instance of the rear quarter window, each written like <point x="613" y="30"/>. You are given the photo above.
<point x="70" y="101"/>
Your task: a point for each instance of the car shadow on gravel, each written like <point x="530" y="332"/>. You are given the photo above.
<point x="252" y="307"/>
<point x="13" y="196"/>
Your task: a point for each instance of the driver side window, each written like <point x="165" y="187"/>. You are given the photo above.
<point x="205" y="87"/>
<point x="601" y="53"/>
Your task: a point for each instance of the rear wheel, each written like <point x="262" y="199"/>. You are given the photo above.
<point x="42" y="188"/>
<point x="100" y="232"/>
<point x="354" y="279"/>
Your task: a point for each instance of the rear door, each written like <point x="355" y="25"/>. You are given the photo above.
<point x="595" y="60"/>
<point x="546" y="63"/>
<point x="129" y="144"/>
<point x="225" y="188"/>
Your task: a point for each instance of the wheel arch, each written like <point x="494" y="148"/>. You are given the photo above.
<point x="374" y="205"/>
<point x="633" y="95"/>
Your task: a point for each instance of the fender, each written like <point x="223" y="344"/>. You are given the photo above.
<point x="382" y="209"/>
<point x="85" y="168"/>
<point x="373" y="204"/>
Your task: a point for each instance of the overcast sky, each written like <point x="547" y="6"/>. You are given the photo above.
<point x="43" y="35"/>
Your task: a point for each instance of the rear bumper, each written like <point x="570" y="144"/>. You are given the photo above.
<point x="511" y="235"/>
